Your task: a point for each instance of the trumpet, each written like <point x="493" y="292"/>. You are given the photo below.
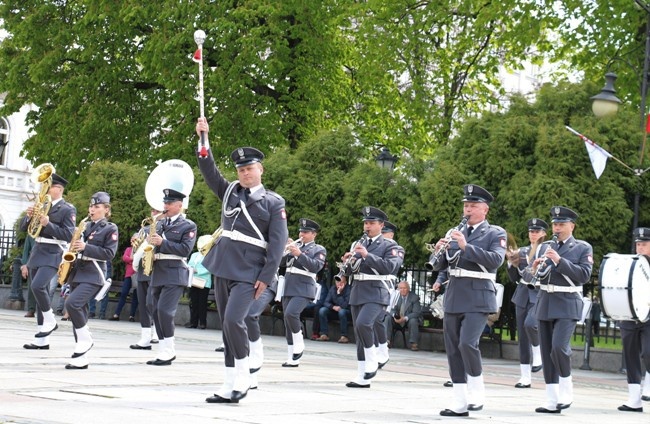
<point x="542" y="269"/>
<point x="290" y="244"/>
<point x="352" y="262"/>
<point x="436" y="254"/>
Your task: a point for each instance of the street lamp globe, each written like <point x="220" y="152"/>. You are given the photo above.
<point x="606" y="103"/>
<point x="385" y="160"/>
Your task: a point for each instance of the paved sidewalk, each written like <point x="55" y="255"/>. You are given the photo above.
<point x="119" y="387"/>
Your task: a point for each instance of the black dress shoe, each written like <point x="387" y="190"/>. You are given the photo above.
<point x="236" y="395"/>
<point x="628" y="409"/>
<point x="563" y="405"/>
<point x="543" y="410"/>
<point x="646" y="398"/>
<point x="74" y="367"/>
<point x="357" y="385"/>
<point x="288" y="365"/>
<point x="138" y="347"/>
<point x="160" y="362"/>
<point x="218" y="399"/>
<point x="472" y="407"/>
<point x="369" y="375"/>
<point x="450" y="413"/>
<point x="448" y="384"/>
<point x="522" y="386"/>
<point x="219" y="349"/>
<point x="381" y="364"/>
<point x="154" y="341"/>
<point x="32" y="346"/>
<point x="114" y="318"/>
<point x="46" y="333"/>
<point x="131" y="319"/>
<point x="537" y="368"/>
<point x="76" y="355"/>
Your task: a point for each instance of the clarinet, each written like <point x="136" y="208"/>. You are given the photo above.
<point x="534" y="282"/>
<point x="436" y="257"/>
<point x="352" y="261"/>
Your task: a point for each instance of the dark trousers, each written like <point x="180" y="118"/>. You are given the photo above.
<point x="199" y="305"/>
<point x="555" y="342"/>
<point x="126" y="288"/>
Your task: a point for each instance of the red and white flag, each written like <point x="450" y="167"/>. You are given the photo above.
<point x="597" y="155"/>
<point x="197" y="55"/>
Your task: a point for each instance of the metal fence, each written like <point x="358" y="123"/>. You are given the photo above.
<point x="7" y="242"/>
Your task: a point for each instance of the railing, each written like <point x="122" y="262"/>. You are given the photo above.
<point x="7" y="242"/>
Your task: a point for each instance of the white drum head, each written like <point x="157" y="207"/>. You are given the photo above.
<point x="625" y="287"/>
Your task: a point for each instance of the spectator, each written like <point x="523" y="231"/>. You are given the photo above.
<point x="407" y="312"/>
<point x="127" y="257"/>
<point x="595" y="315"/>
<point x="201" y="284"/>
<point x="336" y="306"/>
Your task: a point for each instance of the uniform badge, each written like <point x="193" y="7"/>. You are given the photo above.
<point x="641" y="232"/>
<point x="191" y="234"/>
<point x="74" y="219"/>
<point x="556" y="210"/>
<point x="590" y="259"/>
<point x="400" y="254"/>
<point x="534" y="221"/>
<point x="322" y="257"/>
<point x="240" y="152"/>
<point x="114" y="236"/>
<point x="393" y="252"/>
<point x="283" y="214"/>
<point x="367" y="210"/>
<point x="502" y="242"/>
<point x="470" y="189"/>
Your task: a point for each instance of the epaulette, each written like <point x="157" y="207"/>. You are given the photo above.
<point x="273" y="193"/>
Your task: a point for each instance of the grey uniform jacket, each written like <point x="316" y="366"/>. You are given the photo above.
<point x="312" y="260"/>
<point x="238" y="260"/>
<point x="576" y="263"/>
<point x="61" y="226"/>
<point x="101" y="244"/>
<point x="178" y="239"/>
<point x="523" y="295"/>
<point x="383" y="259"/>
<point x="486" y="246"/>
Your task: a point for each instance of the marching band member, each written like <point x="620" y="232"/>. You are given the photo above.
<point x="173" y="243"/>
<point x="371" y="264"/>
<point x="473" y="255"/>
<point x="635" y="337"/>
<point x="384" y="324"/>
<point x="524" y="299"/>
<point x="97" y="246"/>
<point x="45" y="257"/>
<point x="245" y="258"/>
<point x="303" y="261"/>
<point x="147" y="333"/>
<point x="565" y="267"/>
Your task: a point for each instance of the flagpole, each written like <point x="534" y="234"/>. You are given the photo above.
<point x="587" y="140"/>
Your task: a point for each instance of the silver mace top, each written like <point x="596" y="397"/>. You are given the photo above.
<point x="199" y="37"/>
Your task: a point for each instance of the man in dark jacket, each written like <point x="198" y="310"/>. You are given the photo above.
<point x="336" y="306"/>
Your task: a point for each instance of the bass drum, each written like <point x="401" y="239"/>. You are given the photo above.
<point x="624" y="283"/>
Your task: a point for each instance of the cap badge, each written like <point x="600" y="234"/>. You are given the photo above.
<point x="240" y="152"/>
<point x="166" y="191"/>
<point x="470" y="189"/>
<point x="367" y="210"/>
<point x="534" y="221"/>
<point x="557" y="211"/>
<point x="304" y="222"/>
<point x="641" y="232"/>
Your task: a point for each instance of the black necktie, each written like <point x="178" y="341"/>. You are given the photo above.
<point x="247" y="192"/>
<point x="368" y="243"/>
<point x="560" y="244"/>
<point x="469" y="231"/>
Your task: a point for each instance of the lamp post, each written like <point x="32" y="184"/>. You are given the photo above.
<point x="606" y="103"/>
<point x="385" y="160"/>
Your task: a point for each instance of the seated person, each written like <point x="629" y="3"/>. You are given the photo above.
<point x="407" y="312"/>
<point x="336" y="306"/>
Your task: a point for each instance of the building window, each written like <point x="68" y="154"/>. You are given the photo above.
<point x="4" y="139"/>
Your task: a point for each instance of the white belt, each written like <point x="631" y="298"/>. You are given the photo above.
<point x="237" y="236"/>
<point x="372" y="277"/>
<point x="552" y="288"/>
<point x="87" y="258"/>
<point x="165" y="256"/>
<point x="50" y="241"/>
<point x="464" y="273"/>
<point x="294" y="270"/>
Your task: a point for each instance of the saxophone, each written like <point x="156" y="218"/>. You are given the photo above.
<point x="147" y="249"/>
<point x="42" y="175"/>
<point x="69" y="257"/>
